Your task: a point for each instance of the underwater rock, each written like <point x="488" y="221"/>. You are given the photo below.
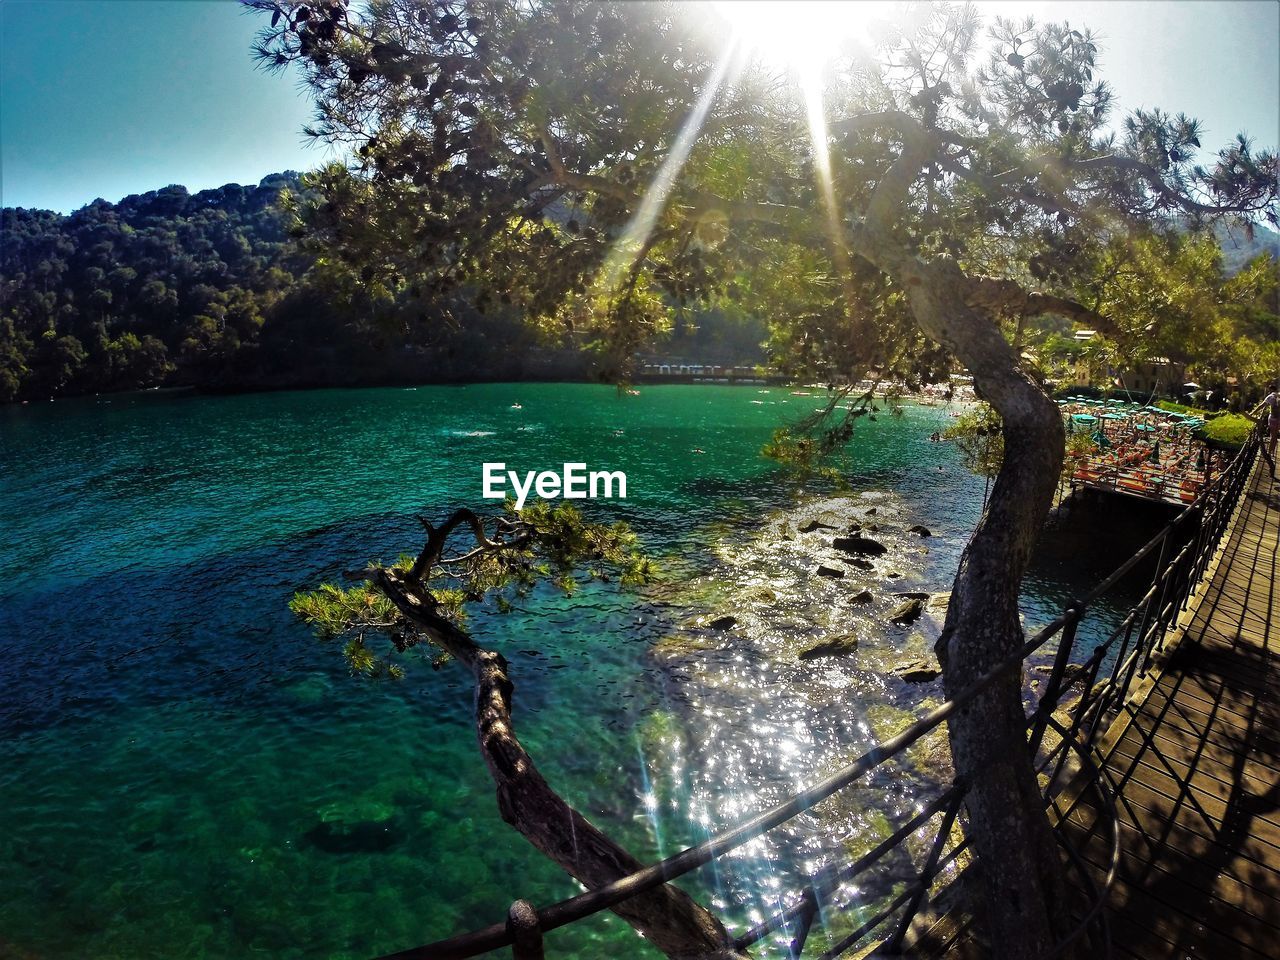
<point x="359" y="827"/>
<point x="837" y="646"/>
<point x="859" y="563"/>
<point x="854" y="527"/>
<point x="921" y="530"/>
<point x="860" y="544"/>
<point x="725" y="622"/>
<point x="913" y="595"/>
<point x="1070" y="672"/>
<point x="907" y="612"/>
<point x="760" y="595"/>
<point x="825" y="571"/>
<point x="863" y="597"/>
<point x="917" y="671"/>
<point x="684" y="644"/>
<point x="366" y="836"/>
<point x="813" y="525"/>
<point x="870" y="511"/>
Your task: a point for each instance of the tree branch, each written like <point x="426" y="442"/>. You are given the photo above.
<point x="999" y="296"/>
<point x="437" y="536"/>
<point x="669" y="918"/>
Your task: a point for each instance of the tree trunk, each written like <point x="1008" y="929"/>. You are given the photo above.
<point x="668" y="917"/>
<point x="1025" y="909"/>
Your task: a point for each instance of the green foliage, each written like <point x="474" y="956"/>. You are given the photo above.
<point x="1227" y="432"/>
<point x="543" y="543"/>
<point x="162" y="287"/>
<point x="1173" y="407"/>
<point x="352" y="613"/>
<point x="211" y="290"/>
<point x="1170" y="296"/>
<point x="503" y="152"/>
<point x="979" y="435"/>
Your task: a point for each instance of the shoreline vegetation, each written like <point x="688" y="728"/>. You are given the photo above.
<point x="215" y="291"/>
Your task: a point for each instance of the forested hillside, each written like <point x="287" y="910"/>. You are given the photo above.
<point x="208" y="290"/>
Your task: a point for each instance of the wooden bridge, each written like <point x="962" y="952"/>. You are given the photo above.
<point x="1158" y="748"/>
<point x="1195" y="755"/>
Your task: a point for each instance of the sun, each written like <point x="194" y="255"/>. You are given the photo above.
<point x="802" y="35"/>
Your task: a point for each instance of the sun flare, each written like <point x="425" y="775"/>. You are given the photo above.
<point x="802" y="35"/>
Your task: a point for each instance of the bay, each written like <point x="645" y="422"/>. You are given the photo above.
<point x="188" y="773"/>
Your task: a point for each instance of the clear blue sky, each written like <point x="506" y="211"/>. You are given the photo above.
<point x="111" y="97"/>
<point x="1215" y="60"/>
<point x="103" y="98"/>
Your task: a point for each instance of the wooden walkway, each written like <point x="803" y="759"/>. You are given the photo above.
<point x="1197" y="761"/>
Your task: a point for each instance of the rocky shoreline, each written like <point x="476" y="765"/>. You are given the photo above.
<point x="808" y="640"/>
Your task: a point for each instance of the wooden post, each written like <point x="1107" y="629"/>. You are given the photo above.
<point x="526" y="935"/>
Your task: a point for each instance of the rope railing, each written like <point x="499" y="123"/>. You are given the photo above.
<point x="1125" y="656"/>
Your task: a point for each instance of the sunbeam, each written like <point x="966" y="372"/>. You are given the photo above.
<point x="631" y="242"/>
<point x="815" y="113"/>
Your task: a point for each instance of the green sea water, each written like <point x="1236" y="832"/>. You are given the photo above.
<point x="186" y="772"/>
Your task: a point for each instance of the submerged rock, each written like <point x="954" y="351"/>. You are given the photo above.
<point x="356" y="827"/>
<point x="825" y="571"/>
<point x="859" y="563"/>
<point x="860" y="544"/>
<point x="685" y="644"/>
<point x="862" y="597"/>
<point x="918" y="671"/>
<point x="921" y="530"/>
<point x="725" y="622"/>
<point x="913" y="595"/>
<point x="907" y="612"/>
<point x="813" y="525"/>
<point x="837" y="646"/>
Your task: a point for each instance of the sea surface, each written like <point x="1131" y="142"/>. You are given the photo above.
<point x="185" y="772"/>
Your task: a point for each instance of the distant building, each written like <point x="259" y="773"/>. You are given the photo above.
<point x="1159" y="375"/>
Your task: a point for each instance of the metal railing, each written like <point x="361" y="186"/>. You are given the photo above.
<point x="1184" y="549"/>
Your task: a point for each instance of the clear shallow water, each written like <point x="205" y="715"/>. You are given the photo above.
<point x="176" y="748"/>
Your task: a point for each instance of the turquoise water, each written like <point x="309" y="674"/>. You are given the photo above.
<point x="188" y="773"/>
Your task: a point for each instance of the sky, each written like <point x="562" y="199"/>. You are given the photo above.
<point x="103" y="98"/>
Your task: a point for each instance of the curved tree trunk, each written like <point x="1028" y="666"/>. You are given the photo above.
<point x="1020" y="869"/>
<point x="668" y="917"/>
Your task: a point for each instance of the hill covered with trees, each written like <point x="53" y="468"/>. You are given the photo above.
<point x="209" y="290"/>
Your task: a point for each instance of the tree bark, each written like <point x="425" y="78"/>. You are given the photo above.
<point x="1020" y="871"/>
<point x="669" y="918"/>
